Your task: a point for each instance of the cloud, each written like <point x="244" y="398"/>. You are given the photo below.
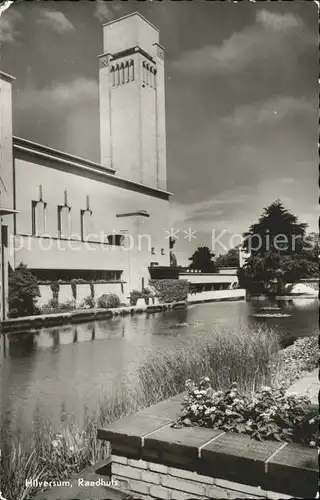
<point x="273" y="40"/>
<point x="270" y="112"/>
<point x="278" y="22"/>
<point x="58" y="116"/>
<point x="57" y="97"/>
<point x="55" y="20"/>
<point x="8" y="26"/>
<point x="106" y="11"/>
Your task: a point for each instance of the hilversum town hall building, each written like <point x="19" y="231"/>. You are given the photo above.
<point x="68" y="218"/>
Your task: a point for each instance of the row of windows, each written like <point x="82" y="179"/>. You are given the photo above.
<point x="149" y="74"/>
<point x="39" y="209"/>
<point x="122" y="73"/>
<point x="125" y="73"/>
<point x="39" y="220"/>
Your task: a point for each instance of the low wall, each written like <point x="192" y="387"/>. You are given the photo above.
<point x="22" y="324"/>
<point x="150" y="459"/>
<point x="217" y="295"/>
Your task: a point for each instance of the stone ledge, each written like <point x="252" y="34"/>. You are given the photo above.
<point x="289" y="469"/>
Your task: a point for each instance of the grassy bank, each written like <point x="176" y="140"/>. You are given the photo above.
<point x="242" y="356"/>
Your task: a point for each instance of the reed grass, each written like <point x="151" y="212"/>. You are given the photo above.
<point x="241" y="356"/>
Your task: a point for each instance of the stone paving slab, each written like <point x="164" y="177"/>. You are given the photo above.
<point x="307" y="386"/>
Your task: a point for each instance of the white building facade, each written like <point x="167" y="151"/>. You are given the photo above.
<point x="103" y="222"/>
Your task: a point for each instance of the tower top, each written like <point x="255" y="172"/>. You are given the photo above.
<point x="128" y="32"/>
<point x="130" y="15"/>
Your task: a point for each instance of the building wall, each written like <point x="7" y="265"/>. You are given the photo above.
<point x="217" y="295"/>
<point x="150" y="480"/>
<point x="203" y="278"/>
<point x="132" y="105"/>
<point x="148" y="236"/>
<point x="6" y="187"/>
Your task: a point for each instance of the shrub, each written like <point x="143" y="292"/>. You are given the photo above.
<point x="267" y="414"/>
<point x="68" y="305"/>
<point x="171" y="290"/>
<point x="88" y="303"/>
<point x="134" y="296"/>
<point x="109" y="301"/>
<point x="23" y="292"/>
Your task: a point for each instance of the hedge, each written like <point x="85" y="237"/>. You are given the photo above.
<point x="170" y="290"/>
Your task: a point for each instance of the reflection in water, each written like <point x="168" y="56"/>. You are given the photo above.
<point x="75" y="334"/>
<point x="61" y="371"/>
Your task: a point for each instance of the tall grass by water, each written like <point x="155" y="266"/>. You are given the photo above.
<point x="241" y="356"/>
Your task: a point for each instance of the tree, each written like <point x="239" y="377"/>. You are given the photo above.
<point x="229" y="259"/>
<point x="23" y="292"/>
<point x="202" y="260"/>
<point x="269" y="269"/>
<point x="276" y="229"/>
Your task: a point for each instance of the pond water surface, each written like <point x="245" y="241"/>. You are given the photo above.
<point x="65" y="368"/>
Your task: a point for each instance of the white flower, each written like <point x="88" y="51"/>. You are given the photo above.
<point x="312" y="444"/>
<point x="55" y="443"/>
<point x="206" y="379"/>
<point x="194" y="408"/>
<point x="236" y="400"/>
<point x="228" y="412"/>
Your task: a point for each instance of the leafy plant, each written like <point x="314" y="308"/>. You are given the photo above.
<point x="267" y="414"/>
<point x="134" y="296"/>
<point x="171" y="290"/>
<point x="23" y="292"/>
<point x="109" y="301"/>
<point x="88" y="303"/>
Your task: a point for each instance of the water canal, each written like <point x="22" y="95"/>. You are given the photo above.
<point x="67" y="368"/>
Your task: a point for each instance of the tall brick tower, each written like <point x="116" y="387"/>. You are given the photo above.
<point x="132" y="101"/>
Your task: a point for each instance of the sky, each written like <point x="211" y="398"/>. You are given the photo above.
<point x="241" y="101"/>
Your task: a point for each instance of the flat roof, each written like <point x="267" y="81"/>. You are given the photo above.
<point x="30" y="147"/>
<point x="6" y="76"/>
<point x="130" y="15"/>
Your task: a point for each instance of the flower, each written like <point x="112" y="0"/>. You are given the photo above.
<point x="312" y="444"/>
<point x="55" y="443"/>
